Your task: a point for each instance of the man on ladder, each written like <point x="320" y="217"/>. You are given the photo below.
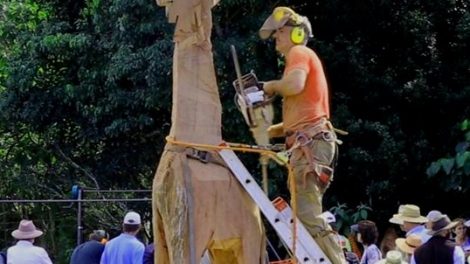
<point x="310" y="137"/>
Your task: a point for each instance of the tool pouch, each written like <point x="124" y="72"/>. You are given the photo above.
<point x="323" y="175"/>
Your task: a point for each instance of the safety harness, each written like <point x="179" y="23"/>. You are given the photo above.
<point x="303" y="139"/>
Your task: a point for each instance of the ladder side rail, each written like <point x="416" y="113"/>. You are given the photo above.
<point x="307" y="249"/>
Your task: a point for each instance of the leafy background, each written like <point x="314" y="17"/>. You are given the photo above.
<point x="85" y="99"/>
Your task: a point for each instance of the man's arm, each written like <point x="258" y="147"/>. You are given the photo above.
<point x="276" y="130"/>
<point x="291" y="84"/>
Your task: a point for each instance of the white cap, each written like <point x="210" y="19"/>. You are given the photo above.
<point x="132" y="218"/>
<point x="328" y="216"/>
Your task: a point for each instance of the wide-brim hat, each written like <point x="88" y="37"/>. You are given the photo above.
<point x="467" y="223"/>
<point x="408" y="213"/>
<point x="443" y="223"/>
<point x="392" y="257"/>
<point x="280" y="17"/>
<point x="433" y="215"/>
<point x="394" y="219"/>
<point x="26" y="230"/>
<point x="408" y="244"/>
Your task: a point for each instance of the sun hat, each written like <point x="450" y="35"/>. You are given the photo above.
<point x="280" y="17"/>
<point x="26" y="230"/>
<point x="408" y="244"/>
<point x="408" y="213"/>
<point x="394" y="219"/>
<point x="392" y="257"/>
<point x="467" y="223"/>
<point x="132" y="218"/>
<point x="441" y="224"/>
<point x="328" y="216"/>
<point x="433" y="215"/>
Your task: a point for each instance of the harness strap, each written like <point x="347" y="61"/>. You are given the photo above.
<point x="197" y="154"/>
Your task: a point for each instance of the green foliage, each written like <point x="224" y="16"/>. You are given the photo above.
<point x="454" y="170"/>
<point x="345" y="217"/>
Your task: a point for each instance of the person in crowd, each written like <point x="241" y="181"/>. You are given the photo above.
<point x="411" y="221"/>
<point x="408" y="245"/>
<point x="306" y="126"/>
<point x="149" y="254"/>
<point x="24" y="251"/>
<point x="126" y="248"/>
<point x="356" y="246"/>
<point x="3" y="257"/>
<point x="330" y="218"/>
<point x="392" y="257"/>
<point x="462" y="235"/>
<point x="90" y="252"/>
<point x="367" y="235"/>
<point x="439" y="249"/>
<point x="431" y="216"/>
<point x="388" y="240"/>
<point x="351" y="257"/>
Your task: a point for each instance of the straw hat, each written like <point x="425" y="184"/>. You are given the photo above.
<point x="408" y="213"/>
<point x="443" y="223"/>
<point x="393" y="257"/>
<point x="26" y="230"/>
<point x="408" y="244"/>
<point x="394" y="219"/>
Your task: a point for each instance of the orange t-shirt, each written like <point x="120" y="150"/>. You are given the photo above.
<point x="308" y="106"/>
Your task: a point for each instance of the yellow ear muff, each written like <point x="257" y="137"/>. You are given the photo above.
<point x="297" y="35"/>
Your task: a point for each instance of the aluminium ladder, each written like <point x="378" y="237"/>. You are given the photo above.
<point x="278" y="213"/>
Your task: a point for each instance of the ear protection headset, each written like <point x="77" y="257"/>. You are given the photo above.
<point x="297" y="34"/>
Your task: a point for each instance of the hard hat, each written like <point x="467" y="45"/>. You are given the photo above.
<point x="282" y="16"/>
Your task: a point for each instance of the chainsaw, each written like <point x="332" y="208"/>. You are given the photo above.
<point x="251" y="100"/>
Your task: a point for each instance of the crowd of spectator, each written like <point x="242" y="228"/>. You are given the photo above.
<point x="430" y="239"/>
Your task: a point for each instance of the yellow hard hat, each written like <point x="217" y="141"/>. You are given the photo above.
<point x="280" y="17"/>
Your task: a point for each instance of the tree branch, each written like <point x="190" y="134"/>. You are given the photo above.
<point x="76" y="166"/>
